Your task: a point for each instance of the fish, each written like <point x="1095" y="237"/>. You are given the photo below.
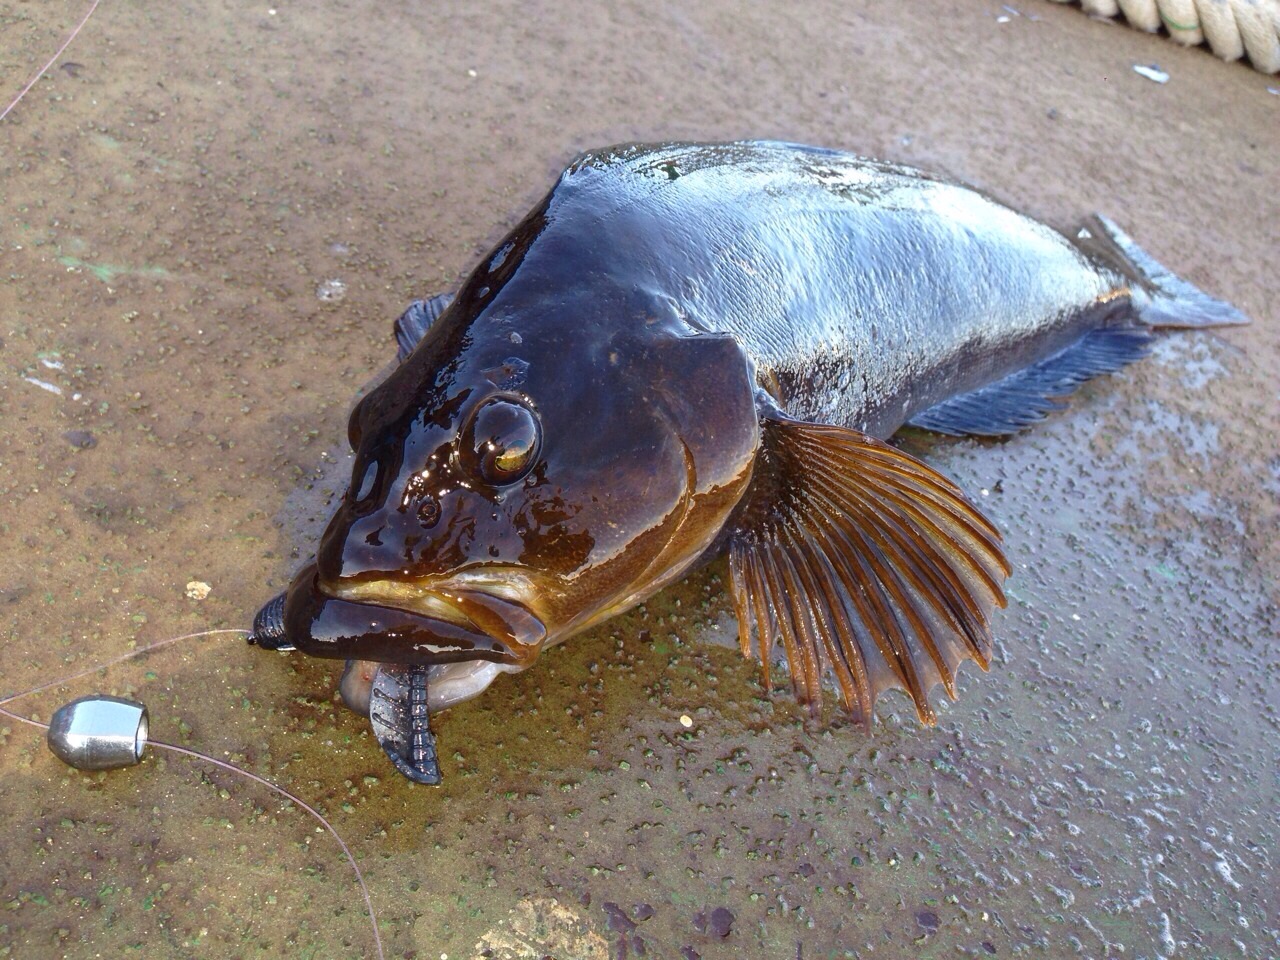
<point x="691" y="349"/>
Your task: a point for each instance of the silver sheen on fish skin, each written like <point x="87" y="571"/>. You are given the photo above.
<point x="745" y="325"/>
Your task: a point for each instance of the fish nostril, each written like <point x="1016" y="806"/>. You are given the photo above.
<point x="368" y="479"/>
<point x="429" y="511"/>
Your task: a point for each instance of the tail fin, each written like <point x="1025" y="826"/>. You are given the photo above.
<point x="1162" y="298"/>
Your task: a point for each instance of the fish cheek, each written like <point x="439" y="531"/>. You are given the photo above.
<point x="551" y="535"/>
<point x="566" y="548"/>
<point x="601" y="530"/>
<point x="617" y="578"/>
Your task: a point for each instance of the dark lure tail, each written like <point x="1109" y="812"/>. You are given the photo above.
<point x="1162" y="298"/>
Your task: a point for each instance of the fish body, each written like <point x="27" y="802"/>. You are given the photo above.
<point x="690" y="348"/>
<point x="867" y="290"/>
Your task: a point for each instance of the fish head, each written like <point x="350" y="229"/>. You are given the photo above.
<point x="523" y="474"/>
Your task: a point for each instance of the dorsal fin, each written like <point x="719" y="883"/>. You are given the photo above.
<point x="865" y="563"/>
<point x="417" y="320"/>
<point x="1028" y="395"/>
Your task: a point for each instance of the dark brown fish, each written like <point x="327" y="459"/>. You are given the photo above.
<point x="694" y="348"/>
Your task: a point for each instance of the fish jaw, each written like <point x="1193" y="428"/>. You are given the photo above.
<point x="392" y="622"/>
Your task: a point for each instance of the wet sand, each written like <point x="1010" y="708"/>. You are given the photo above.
<point x="172" y="408"/>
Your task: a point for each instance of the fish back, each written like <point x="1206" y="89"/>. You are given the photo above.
<point x="864" y="291"/>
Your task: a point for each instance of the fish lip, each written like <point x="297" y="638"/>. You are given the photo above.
<point x="490" y="601"/>
<point x="323" y="624"/>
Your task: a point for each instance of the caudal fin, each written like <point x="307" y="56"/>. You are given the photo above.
<point x="1162" y="298"/>
<point x="1158" y="297"/>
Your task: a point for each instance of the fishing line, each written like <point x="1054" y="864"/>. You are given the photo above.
<point x="174" y="748"/>
<point x="120" y="659"/>
<point x="43" y="70"/>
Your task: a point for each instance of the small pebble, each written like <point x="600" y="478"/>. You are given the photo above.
<point x="198" y="590"/>
<point x="686" y="720"/>
<point x="331" y="291"/>
<point x="720" y="923"/>
<point x="716" y="923"/>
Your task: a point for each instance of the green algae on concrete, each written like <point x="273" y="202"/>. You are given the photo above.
<point x="108" y="272"/>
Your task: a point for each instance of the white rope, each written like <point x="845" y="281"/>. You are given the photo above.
<point x="1232" y="28"/>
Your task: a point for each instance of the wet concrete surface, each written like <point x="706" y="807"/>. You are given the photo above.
<point x="177" y="363"/>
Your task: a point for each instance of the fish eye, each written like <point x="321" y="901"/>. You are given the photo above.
<point x="502" y="440"/>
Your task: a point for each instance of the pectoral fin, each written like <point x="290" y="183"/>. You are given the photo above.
<point x="416" y="321"/>
<point x="865" y="563"/>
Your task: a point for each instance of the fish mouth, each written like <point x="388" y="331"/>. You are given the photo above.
<point x="491" y="600"/>
<point x="469" y="616"/>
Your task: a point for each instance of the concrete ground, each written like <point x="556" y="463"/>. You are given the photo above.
<point x="175" y="370"/>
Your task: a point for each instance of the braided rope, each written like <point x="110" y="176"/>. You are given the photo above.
<point x="1231" y="28"/>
